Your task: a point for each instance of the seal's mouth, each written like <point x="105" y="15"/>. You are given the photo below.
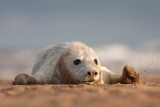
<point x="90" y="82"/>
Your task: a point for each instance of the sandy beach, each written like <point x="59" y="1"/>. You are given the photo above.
<point x="128" y="95"/>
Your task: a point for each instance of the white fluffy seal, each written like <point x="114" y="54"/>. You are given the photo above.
<point x="69" y="63"/>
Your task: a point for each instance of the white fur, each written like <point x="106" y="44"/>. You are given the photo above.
<point x="43" y="71"/>
<point x="44" y="67"/>
<point x="107" y="75"/>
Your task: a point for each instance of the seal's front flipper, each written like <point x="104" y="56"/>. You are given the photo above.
<point x="23" y="79"/>
<point x="130" y="76"/>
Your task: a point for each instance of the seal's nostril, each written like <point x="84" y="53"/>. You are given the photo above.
<point x="89" y="73"/>
<point x="95" y="73"/>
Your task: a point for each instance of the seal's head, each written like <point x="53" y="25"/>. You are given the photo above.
<point x="80" y="65"/>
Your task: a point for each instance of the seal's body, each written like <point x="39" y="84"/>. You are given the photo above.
<point x="68" y="63"/>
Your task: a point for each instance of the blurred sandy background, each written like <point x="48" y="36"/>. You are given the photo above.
<point x="121" y="32"/>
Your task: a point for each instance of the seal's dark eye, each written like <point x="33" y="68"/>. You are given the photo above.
<point x="95" y="61"/>
<point x="77" y="61"/>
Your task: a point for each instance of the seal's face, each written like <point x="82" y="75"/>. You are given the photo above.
<point x="84" y="64"/>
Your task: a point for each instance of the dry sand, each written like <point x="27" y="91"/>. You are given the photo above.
<point x="126" y="95"/>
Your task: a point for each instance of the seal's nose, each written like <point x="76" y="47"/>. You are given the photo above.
<point x="88" y="73"/>
<point x="92" y="73"/>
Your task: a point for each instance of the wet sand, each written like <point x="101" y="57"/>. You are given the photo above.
<point x="128" y="95"/>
